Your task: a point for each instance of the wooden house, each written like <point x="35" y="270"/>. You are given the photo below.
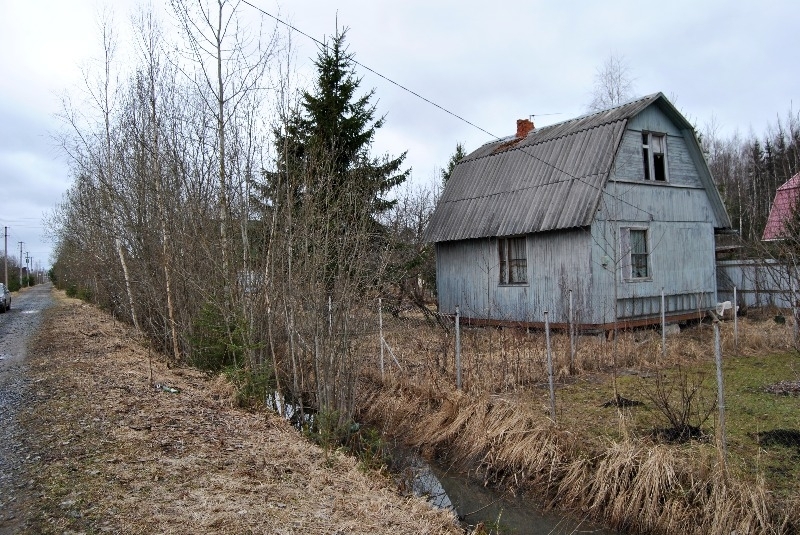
<point x="606" y="211"/>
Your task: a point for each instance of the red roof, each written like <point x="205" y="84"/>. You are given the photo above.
<point x="782" y="208"/>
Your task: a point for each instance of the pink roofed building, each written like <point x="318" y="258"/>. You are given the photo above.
<point x="783" y="209"/>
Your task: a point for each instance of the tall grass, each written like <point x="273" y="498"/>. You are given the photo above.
<point x="498" y="428"/>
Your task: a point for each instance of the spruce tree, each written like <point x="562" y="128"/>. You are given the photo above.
<point x="326" y="175"/>
<point x="330" y="139"/>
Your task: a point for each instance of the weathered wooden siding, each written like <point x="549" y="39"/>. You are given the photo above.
<point x="626" y="201"/>
<point x="681" y="261"/>
<point x="467" y="276"/>
<point x="681" y="168"/>
<point x="758" y="282"/>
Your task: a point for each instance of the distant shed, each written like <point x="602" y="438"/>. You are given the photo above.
<point x="609" y="207"/>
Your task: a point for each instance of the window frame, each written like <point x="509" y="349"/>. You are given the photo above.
<point x="650" y="162"/>
<point x="631" y="261"/>
<point x="511" y="267"/>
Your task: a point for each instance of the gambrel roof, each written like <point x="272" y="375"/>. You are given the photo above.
<point x="550" y="179"/>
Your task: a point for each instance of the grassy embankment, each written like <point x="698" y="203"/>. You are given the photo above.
<point x="610" y="462"/>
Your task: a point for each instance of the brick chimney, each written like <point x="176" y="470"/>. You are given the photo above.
<point x="524" y="126"/>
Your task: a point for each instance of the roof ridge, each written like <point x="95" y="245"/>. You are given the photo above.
<point x="652" y="97"/>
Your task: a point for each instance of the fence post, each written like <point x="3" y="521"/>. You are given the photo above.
<point x="571" y="335"/>
<point x="550" y="368"/>
<point x="380" y="328"/>
<point x="458" y="348"/>
<point x="663" y="327"/>
<point x="720" y="393"/>
<point x="794" y="310"/>
<point x="735" y="321"/>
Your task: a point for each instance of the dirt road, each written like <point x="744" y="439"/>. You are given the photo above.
<point x="16" y="328"/>
<point x="100" y="437"/>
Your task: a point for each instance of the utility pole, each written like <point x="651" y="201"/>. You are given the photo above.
<point x="20" y="264"/>
<point x="5" y="258"/>
<point x="27" y="268"/>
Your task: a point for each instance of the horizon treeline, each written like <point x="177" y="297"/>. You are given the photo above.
<point x="749" y="169"/>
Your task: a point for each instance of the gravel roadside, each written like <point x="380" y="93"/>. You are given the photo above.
<point x="16" y="328"/>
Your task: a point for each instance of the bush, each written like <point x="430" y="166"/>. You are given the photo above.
<point x="365" y="443"/>
<point x="216" y="343"/>
<point x="682" y="400"/>
<point x="253" y="386"/>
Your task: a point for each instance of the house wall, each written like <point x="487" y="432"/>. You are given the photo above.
<point x="680" y="221"/>
<point x="468" y="276"/>
<point x="682" y="168"/>
<point x="681" y="262"/>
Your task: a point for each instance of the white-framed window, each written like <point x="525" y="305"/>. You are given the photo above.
<point x="513" y="260"/>
<point x="635" y="253"/>
<point x="654" y="156"/>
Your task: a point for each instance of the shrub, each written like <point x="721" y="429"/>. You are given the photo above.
<point x="216" y="343"/>
<point x="253" y="386"/>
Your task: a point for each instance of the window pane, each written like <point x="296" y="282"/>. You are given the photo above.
<point x="639" y="266"/>
<point x="513" y="260"/>
<point x="657" y="144"/>
<point x="659" y="167"/>
<point x="638" y="242"/>
<point x="501" y="250"/>
<point x="517" y="248"/>
<point x="519" y="270"/>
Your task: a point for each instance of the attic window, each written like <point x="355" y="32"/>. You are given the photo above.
<point x="513" y="260"/>
<point x="654" y="156"/>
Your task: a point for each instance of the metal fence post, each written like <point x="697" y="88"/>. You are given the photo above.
<point x="550" y="368"/>
<point x="380" y="328"/>
<point x="720" y="393"/>
<point x="458" y="348"/>
<point x="571" y="334"/>
<point x="735" y="321"/>
<point x="663" y="327"/>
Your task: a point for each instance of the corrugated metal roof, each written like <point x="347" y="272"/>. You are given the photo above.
<point x="551" y="179"/>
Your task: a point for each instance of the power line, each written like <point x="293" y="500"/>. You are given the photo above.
<point x="404" y="88"/>
<point x="373" y="71"/>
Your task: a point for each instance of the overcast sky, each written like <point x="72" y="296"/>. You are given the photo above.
<point x="488" y="62"/>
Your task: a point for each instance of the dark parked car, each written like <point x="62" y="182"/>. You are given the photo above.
<point x="5" y="298"/>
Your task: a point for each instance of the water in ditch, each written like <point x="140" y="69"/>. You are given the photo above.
<point x="473" y="503"/>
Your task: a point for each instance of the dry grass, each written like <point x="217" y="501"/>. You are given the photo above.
<point x="115" y="454"/>
<point x="631" y="485"/>
<point x="594" y="461"/>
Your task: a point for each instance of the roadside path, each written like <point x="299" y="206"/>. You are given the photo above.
<point x="16" y="328"/>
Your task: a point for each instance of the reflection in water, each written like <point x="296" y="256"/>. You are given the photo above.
<point x="473" y="503"/>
